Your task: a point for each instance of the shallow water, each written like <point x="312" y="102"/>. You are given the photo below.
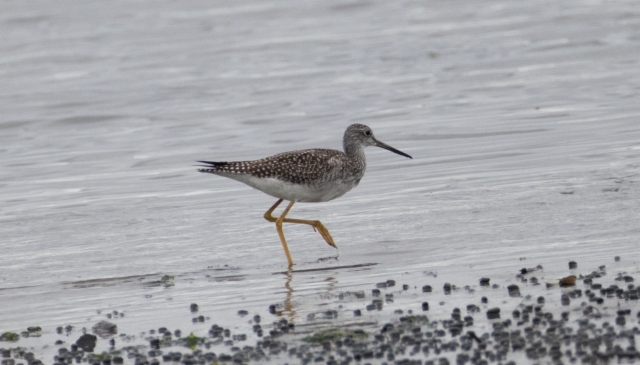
<point x="522" y="118"/>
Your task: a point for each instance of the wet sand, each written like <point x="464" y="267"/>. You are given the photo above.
<point x="522" y="118"/>
<point x="587" y="316"/>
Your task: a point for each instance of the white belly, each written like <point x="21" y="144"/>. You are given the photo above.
<point x="300" y="193"/>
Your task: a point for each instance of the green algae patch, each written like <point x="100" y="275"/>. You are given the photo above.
<point x="9" y="336"/>
<point x="98" y="357"/>
<point x="414" y="320"/>
<point x="192" y="341"/>
<point x="334" y="334"/>
<point x="167" y="281"/>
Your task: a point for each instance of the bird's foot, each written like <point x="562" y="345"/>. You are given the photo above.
<point x="324" y="232"/>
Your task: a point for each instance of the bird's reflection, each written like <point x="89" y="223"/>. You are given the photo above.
<point x="289" y="308"/>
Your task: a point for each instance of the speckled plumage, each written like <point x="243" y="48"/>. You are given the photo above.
<point x="312" y="175"/>
<point x="305" y="167"/>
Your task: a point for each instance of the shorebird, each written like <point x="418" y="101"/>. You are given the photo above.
<point x="306" y="176"/>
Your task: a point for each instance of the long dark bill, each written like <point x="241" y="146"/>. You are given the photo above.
<point x="389" y="148"/>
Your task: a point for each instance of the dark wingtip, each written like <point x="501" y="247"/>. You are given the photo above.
<point x="214" y="163"/>
<point x="210" y="165"/>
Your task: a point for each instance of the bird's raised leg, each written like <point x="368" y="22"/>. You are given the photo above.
<point x="317" y="225"/>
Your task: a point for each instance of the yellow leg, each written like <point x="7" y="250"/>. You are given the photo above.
<point x="270" y="218"/>
<point x="267" y="214"/>
<point x="317" y="225"/>
<point x="281" y="233"/>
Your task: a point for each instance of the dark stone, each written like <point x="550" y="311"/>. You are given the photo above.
<point x="425" y="306"/>
<point x="514" y="290"/>
<point x="242" y="312"/>
<point x="194" y="307"/>
<point x="87" y="342"/>
<point x="155" y="344"/>
<point x="105" y="329"/>
<point x="357" y="313"/>
<point x="484" y="281"/>
<point x="493" y="313"/>
<point x="573" y="265"/>
<point x="426" y="289"/>
<point x="468" y="321"/>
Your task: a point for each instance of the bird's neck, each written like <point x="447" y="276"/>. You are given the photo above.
<point x="355" y="153"/>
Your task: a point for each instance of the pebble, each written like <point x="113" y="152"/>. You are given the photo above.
<point x="87" y="342"/>
<point x="493" y="313"/>
<point x="514" y="290"/>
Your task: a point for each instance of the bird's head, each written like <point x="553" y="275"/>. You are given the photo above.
<point x="361" y="135"/>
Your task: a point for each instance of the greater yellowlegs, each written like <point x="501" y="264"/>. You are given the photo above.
<point x="309" y="176"/>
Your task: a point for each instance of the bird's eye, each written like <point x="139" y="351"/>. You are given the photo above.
<point x="367" y="132"/>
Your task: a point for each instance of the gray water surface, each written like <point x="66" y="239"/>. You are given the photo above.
<point x="523" y="118"/>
